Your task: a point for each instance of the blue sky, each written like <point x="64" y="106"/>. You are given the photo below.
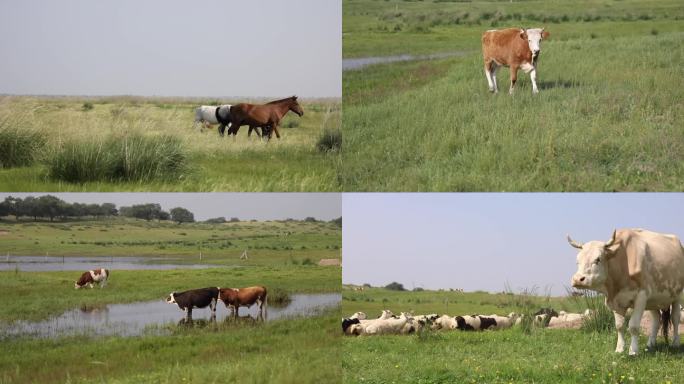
<point x="269" y="48"/>
<point x="245" y="206"/>
<point x="480" y="241"/>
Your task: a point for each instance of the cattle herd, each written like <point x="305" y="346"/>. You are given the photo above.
<point x="359" y="325"/>
<point x="232" y="298"/>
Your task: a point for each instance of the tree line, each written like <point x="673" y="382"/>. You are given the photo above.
<point x="51" y="207"/>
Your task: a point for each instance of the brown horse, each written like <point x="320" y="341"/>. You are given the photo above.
<point x="264" y="116"/>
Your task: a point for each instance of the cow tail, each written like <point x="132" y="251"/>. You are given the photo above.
<point x="665" y="316"/>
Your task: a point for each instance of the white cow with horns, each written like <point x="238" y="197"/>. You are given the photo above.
<point x="636" y="269"/>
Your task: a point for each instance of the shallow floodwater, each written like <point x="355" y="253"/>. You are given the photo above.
<point x="362" y="62"/>
<point x="58" y="263"/>
<point x="132" y="319"/>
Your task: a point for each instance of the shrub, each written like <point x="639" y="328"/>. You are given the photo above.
<point x="119" y="158"/>
<point x="87" y="106"/>
<point x="394" y="286"/>
<point x="330" y="140"/>
<point x="18" y="147"/>
<point x="278" y="297"/>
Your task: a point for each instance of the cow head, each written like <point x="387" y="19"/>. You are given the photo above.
<point x="592" y="261"/>
<point x="534" y="36"/>
<point x="76" y="286"/>
<point x="171" y="299"/>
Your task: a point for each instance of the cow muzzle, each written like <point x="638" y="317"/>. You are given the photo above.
<point x="579" y="281"/>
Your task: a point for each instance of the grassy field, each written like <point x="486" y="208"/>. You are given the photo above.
<point x="289" y="351"/>
<point x="268" y="243"/>
<point x="607" y="117"/>
<point x="73" y="144"/>
<point x="509" y="356"/>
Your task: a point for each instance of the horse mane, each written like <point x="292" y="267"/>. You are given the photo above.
<point x="282" y="100"/>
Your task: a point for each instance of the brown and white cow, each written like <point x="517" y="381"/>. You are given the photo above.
<point x="515" y="48"/>
<point x="636" y="269"/>
<point x="99" y="276"/>
<point x="234" y="298"/>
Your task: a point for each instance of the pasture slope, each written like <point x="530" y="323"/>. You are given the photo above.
<point x="607" y="118"/>
<point x="78" y="144"/>
<point x="493" y="357"/>
<point x="282" y="257"/>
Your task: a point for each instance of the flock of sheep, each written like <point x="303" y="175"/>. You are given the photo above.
<point x="358" y="324"/>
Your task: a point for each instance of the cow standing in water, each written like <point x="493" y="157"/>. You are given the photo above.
<point x="514" y="48"/>
<point x="95" y="276"/>
<point x="234" y="298"/>
<point x="195" y="298"/>
<point x="636" y="269"/>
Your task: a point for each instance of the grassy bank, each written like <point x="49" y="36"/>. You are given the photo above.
<point x="607" y="123"/>
<point x="268" y="243"/>
<point x="86" y="148"/>
<point x="509" y="356"/>
<point x="288" y="351"/>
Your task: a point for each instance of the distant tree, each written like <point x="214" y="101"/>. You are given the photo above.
<point x="182" y="215"/>
<point x="50" y="206"/>
<point x="418" y="289"/>
<point x="310" y="219"/>
<point x="394" y="286"/>
<point x="234" y="220"/>
<point x="337" y="221"/>
<point x="108" y="209"/>
<point x="216" y="220"/>
<point x="145" y="211"/>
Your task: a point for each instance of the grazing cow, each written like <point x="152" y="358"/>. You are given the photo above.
<point x="502" y="322"/>
<point x="636" y="269"/>
<point x="195" y="298"/>
<point x="99" y="276"/>
<point x="514" y="48"/>
<point x="234" y="298"/>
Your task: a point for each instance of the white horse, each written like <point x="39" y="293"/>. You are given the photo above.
<point x="209" y="115"/>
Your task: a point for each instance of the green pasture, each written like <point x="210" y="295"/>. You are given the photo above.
<point x="508" y="356"/>
<point x="286" y="351"/>
<point x="108" y="144"/>
<point x="607" y="117"/>
<point x="267" y="243"/>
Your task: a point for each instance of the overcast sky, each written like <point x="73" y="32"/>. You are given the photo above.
<point x="270" y="48"/>
<point x="483" y="241"/>
<point x="246" y="206"/>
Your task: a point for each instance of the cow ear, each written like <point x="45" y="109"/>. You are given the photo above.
<point x="545" y="35"/>
<point x="523" y="35"/>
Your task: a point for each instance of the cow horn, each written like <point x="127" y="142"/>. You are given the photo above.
<point x="612" y="239"/>
<point x="573" y="243"/>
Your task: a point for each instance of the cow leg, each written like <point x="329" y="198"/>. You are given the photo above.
<point x="514" y="78"/>
<point x="490" y="73"/>
<point x="222" y="130"/>
<point x="620" y="327"/>
<point x="533" y="77"/>
<point x="635" y="322"/>
<point x="212" y="306"/>
<point x="91" y="285"/>
<point x="675" y="318"/>
<point x="655" y="325"/>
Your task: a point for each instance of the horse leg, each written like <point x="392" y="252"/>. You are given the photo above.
<point x="277" y="132"/>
